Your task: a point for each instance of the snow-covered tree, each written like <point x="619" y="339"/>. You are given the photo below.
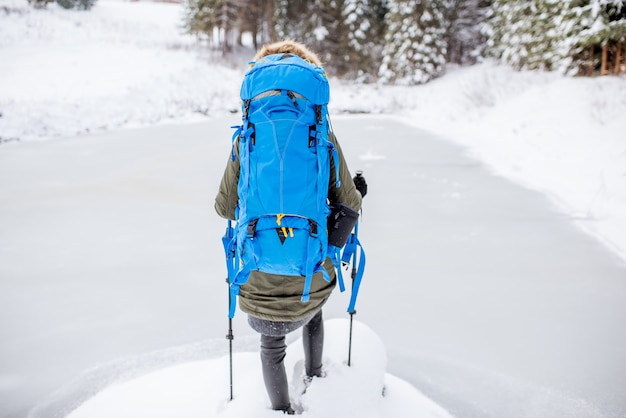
<point x="39" y="4"/>
<point x="289" y="19"/>
<point x="211" y="17"/>
<point x="364" y="22"/>
<point x="76" y="4"/>
<point x="527" y="34"/>
<point x="558" y="35"/>
<point x="597" y="36"/>
<point x="66" y="4"/>
<point x="415" y="46"/>
<point x="319" y="25"/>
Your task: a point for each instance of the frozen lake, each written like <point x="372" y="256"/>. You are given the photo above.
<point x="488" y="300"/>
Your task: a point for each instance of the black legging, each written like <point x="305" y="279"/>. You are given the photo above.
<point x="273" y="353"/>
<point x="313" y="342"/>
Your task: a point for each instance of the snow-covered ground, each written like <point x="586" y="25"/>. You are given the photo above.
<point x="488" y="301"/>
<point x="196" y="389"/>
<point x="127" y="64"/>
<point x="121" y="64"/>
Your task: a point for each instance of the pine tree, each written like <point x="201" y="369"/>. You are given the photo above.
<point x="39" y="4"/>
<point x="597" y="28"/>
<point x="289" y="20"/>
<point x="331" y="36"/>
<point x="558" y="35"/>
<point x="301" y="20"/>
<point x="364" y="22"/>
<point x="201" y="17"/>
<point x="598" y="20"/>
<point x="415" y="47"/>
<point x="527" y="34"/>
<point x="76" y="4"/>
<point x="319" y="25"/>
<point x="208" y="17"/>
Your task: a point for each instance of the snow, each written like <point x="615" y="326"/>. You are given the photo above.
<point x="120" y="64"/>
<point x="127" y="64"/>
<point x="562" y="136"/>
<point x="197" y="389"/>
<point x="112" y="267"/>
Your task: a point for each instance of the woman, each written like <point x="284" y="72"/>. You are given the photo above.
<point x="273" y="302"/>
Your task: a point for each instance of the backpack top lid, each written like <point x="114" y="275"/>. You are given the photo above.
<point x="286" y="72"/>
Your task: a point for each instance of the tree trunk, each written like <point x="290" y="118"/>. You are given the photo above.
<point x="268" y="12"/>
<point x="224" y="26"/>
<point x="622" y="66"/>
<point x="605" y="53"/>
<point x="255" y="40"/>
<point x="590" y="69"/>
<point x="618" y="58"/>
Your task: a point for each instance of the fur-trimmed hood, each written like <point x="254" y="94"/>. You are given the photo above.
<point x="288" y="47"/>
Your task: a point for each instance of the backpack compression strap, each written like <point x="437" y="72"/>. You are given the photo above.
<point x="229" y="240"/>
<point x="350" y="251"/>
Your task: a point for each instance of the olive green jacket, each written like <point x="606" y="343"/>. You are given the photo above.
<point x="274" y="297"/>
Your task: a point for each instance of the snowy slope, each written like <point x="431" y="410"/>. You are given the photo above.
<point x="200" y="389"/>
<point x="121" y="64"/>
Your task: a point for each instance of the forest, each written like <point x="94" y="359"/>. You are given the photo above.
<point x="411" y="41"/>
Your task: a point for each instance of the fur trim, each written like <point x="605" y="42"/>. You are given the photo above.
<point x="288" y="47"/>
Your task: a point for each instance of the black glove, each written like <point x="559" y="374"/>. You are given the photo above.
<point x="360" y="184"/>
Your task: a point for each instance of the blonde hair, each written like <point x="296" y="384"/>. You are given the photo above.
<point x="288" y="46"/>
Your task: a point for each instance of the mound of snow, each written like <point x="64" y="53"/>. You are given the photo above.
<point x="201" y="388"/>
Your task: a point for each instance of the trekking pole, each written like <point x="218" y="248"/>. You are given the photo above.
<point x="230" y="337"/>
<point x="353" y="275"/>
<point x="353" y="312"/>
<point x="226" y="240"/>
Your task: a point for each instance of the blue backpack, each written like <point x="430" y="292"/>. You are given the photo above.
<point x="284" y="156"/>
